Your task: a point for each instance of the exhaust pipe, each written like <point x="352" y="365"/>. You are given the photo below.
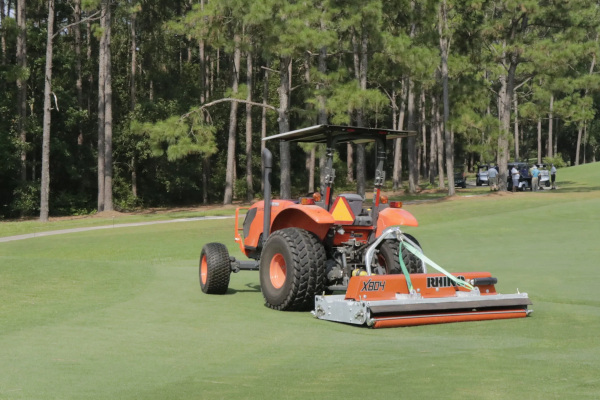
<point x="268" y="168"/>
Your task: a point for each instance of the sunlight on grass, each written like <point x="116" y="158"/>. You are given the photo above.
<point x="118" y="314"/>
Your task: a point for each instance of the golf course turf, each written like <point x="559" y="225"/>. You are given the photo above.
<point x="118" y="314"/>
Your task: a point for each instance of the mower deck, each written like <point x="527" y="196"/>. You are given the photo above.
<point x="384" y="301"/>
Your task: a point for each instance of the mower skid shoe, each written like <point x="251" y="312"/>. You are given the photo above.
<point x="383" y="301"/>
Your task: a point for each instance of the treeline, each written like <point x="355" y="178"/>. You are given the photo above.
<point x="116" y="105"/>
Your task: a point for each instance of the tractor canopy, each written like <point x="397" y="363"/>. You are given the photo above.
<point x="331" y="136"/>
<point x="336" y="134"/>
<point x="323" y="212"/>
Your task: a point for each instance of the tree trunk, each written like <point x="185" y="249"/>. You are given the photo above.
<point x="101" y="108"/>
<point x="516" y="130"/>
<point x="2" y="35"/>
<point x="202" y="57"/>
<point x="349" y="163"/>
<point x="88" y="53"/>
<point x="505" y="95"/>
<point x="249" y="83"/>
<point x="230" y="176"/>
<point x="45" y="184"/>
<point x="555" y="150"/>
<point x="440" y="144"/>
<point x="433" y="145"/>
<point x="444" y="48"/>
<point x="584" y="140"/>
<point x="311" y="149"/>
<point x="539" y="141"/>
<point x="350" y="148"/>
<point x="412" y="150"/>
<point x="133" y="95"/>
<point x="22" y="84"/>
<point x="310" y="166"/>
<point x="424" y="164"/>
<point x="79" y="82"/>
<point x="134" y="187"/>
<point x="133" y="69"/>
<point x="205" y="178"/>
<point x="108" y="116"/>
<point x="263" y="122"/>
<point x="285" y="64"/>
<point x="550" y="124"/>
<point x="361" y="166"/>
<point x="397" y="171"/>
<point x="322" y="111"/>
<point x="579" y="134"/>
<point x="413" y="169"/>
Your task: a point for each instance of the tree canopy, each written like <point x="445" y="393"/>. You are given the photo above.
<point x="166" y="102"/>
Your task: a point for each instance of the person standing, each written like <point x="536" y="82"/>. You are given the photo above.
<point x="553" y="176"/>
<point x="493" y="178"/>
<point x="514" y="172"/>
<point x="535" y="173"/>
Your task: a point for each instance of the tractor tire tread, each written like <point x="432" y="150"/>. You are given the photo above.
<point x="317" y="272"/>
<point x="301" y="246"/>
<point x="389" y="250"/>
<point x="218" y="268"/>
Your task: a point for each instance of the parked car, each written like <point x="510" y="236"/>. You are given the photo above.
<point x="524" y="176"/>
<point x="482" y="175"/>
<point x="460" y="178"/>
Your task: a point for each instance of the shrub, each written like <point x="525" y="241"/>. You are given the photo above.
<point x="26" y="201"/>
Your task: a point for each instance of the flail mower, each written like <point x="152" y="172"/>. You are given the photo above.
<point x="308" y="249"/>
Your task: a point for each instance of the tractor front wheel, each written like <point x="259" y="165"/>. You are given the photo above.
<point x="215" y="268"/>
<point x="389" y="260"/>
<point x="292" y="270"/>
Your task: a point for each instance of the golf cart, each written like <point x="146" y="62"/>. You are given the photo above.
<point x="544" y="176"/>
<point x="524" y="176"/>
<point x="482" y="175"/>
<point x="460" y="179"/>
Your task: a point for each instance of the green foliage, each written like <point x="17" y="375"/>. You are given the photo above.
<point x="26" y="201"/>
<point x="124" y="200"/>
<point x="65" y="203"/>
<point x="554" y="45"/>
<point x="557" y="161"/>
<point x="348" y="98"/>
<point x="177" y="137"/>
<point x="240" y="188"/>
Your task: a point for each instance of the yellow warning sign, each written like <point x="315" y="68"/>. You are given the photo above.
<point x="341" y="211"/>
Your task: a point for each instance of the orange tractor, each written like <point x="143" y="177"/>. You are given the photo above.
<point x="309" y="248"/>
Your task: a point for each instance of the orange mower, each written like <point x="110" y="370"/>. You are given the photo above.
<point x="308" y="249"/>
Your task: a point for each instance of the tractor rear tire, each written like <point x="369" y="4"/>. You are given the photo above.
<point x="215" y="268"/>
<point x="388" y="255"/>
<point x="292" y="270"/>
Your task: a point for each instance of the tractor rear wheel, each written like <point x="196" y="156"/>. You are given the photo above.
<point x="215" y="268"/>
<point x="292" y="270"/>
<point x="389" y="260"/>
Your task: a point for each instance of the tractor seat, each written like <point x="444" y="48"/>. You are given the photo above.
<point x="362" y="217"/>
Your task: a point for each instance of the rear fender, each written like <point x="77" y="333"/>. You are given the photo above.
<point x="310" y="218"/>
<point x="393" y="217"/>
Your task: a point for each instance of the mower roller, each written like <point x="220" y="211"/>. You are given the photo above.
<point x="309" y="249"/>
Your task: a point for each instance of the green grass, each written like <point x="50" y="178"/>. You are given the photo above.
<point x="118" y="314"/>
<point x="14" y="228"/>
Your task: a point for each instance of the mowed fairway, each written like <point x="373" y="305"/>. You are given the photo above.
<point x="118" y="314"/>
